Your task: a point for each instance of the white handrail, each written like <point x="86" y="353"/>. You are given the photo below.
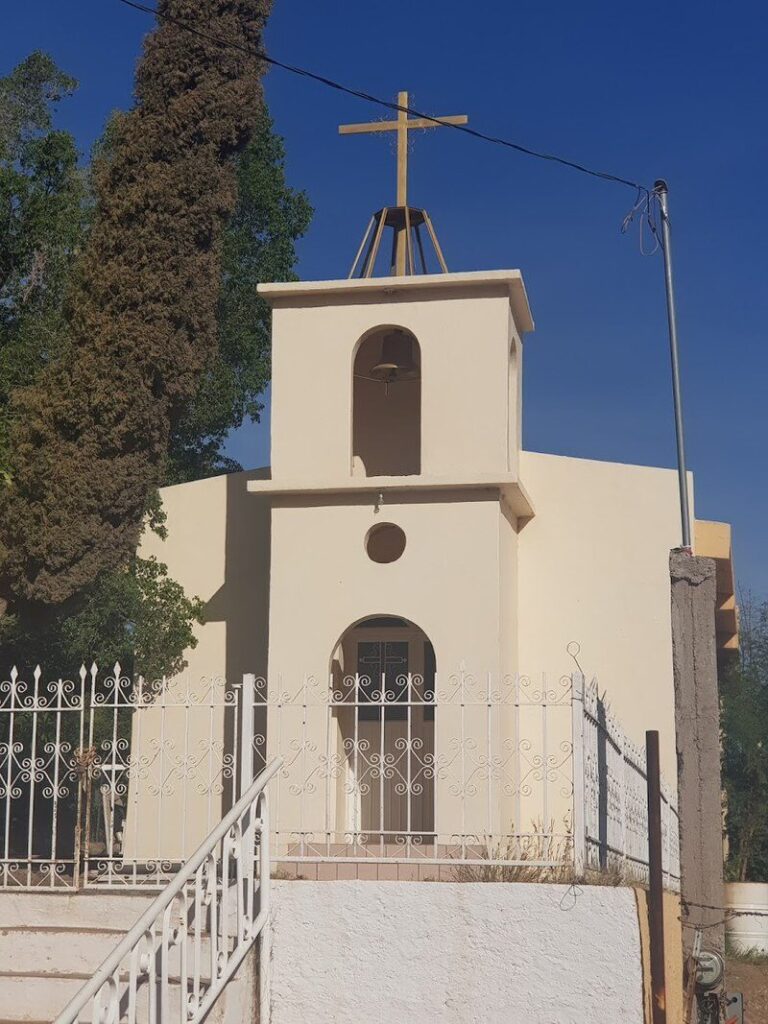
<point x="210" y="870"/>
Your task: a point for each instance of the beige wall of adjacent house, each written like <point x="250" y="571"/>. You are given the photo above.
<point x="594" y="571"/>
<point x="217" y="548"/>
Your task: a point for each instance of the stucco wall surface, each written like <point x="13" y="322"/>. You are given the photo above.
<point x="448" y="580"/>
<point x="466" y="423"/>
<point x="454" y="953"/>
<point x="594" y="571"/>
<point x="217" y="548"/>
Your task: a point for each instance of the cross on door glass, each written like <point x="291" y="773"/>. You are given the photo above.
<point x="382" y="667"/>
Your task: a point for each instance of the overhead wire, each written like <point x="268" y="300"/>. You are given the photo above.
<point x="724" y="910"/>
<point x="361" y="94"/>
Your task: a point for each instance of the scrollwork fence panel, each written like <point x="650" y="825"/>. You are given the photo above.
<point x="403" y="769"/>
<point x="109" y="781"/>
<point x="105" y="780"/>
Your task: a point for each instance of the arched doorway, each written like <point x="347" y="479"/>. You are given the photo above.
<point x="383" y="672"/>
<point x="386" y="404"/>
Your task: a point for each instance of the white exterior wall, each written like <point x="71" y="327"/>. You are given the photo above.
<point x="217" y="548"/>
<point x="594" y="569"/>
<point x="454" y="953"/>
<point x="464" y="337"/>
<point x="446" y="581"/>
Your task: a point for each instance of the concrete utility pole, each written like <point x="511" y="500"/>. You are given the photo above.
<point x="661" y="191"/>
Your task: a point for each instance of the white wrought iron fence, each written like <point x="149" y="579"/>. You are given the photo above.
<point x="613" y="780"/>
<point x="401" y="769"/>
<point x="109" y="781"/>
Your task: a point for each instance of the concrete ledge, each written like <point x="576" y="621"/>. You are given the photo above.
<point x="424" y="286"/>
<point x="507" y="485"/>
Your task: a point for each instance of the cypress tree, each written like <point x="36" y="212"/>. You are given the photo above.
<point x="43" y="196"/>
<point x="90" y="442"/>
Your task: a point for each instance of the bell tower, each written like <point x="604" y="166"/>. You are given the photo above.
<point x="395" y="493"/>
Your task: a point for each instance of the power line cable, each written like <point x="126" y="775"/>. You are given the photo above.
<point x="725" y="910"/>
<point x="294" y="69"/>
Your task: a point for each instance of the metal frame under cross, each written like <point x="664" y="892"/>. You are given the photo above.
<point x="402" y="126"/>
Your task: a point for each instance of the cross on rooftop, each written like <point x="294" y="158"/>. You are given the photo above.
<point x="402" y="126"/>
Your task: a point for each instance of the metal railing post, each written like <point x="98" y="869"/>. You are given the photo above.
<point x="265" y="891"/>
<point x="247" y="693"/>
<point x="579" y="795"/>
<point x="247" y="697"/>
<point x="623" y="797"/>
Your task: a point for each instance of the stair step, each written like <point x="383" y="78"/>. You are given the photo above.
<point x="101" y="910"/>
<point x="54" y="951"/>
<point x="31" y="999"/>
<point x="52" y="943"/>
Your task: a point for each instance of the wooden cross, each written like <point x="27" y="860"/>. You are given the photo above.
<point x="402" y="126"/>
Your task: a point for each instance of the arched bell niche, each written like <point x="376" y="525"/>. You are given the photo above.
<point x="386" y="404"/>
<point x="383" y="677"/>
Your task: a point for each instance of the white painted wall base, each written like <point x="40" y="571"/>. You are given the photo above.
<point x="454" y="953"/>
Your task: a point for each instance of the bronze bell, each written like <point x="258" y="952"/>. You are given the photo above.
<point x="396" y="360"/>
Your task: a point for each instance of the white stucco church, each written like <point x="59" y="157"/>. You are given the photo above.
<point x="403" y="534"/>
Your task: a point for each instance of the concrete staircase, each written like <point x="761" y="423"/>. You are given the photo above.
<point x="52" y="943"/>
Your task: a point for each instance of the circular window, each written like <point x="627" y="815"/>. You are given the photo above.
<point x="385" y="542"/>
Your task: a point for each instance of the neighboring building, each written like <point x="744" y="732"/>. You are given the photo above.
<point x="713" y="540"/>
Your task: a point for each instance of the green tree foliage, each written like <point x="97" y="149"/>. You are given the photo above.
<point x="135" y="610"/>
<point x="745" y="747"/>
<point x="161" y="347"/>
<point x="42" y="225"/>
<point x="259" y="245"/>
<point x="136" y="615"/>
<point x="92" y="445"/>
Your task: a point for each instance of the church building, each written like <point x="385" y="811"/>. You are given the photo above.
<point x="403" y="538"/>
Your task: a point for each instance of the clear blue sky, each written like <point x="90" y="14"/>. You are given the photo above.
<point x="668" y="90"/>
